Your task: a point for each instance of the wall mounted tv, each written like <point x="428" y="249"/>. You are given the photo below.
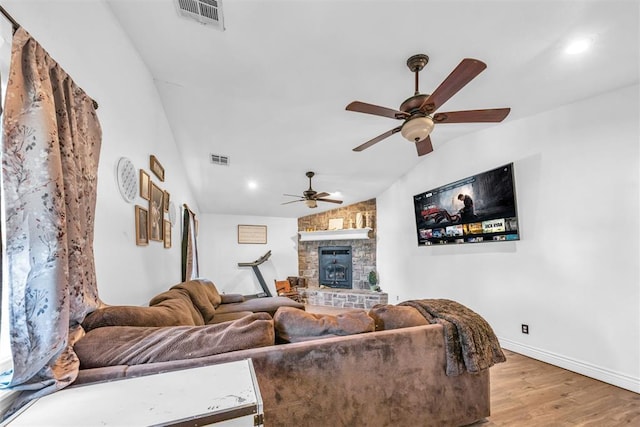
<point x="480" y="208"/>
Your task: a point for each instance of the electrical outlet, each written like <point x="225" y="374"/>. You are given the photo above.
<point x="525" y="329"/>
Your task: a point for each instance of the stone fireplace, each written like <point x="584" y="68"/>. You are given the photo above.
<point x="328" y="283"/>
<point x="363" y="251"/>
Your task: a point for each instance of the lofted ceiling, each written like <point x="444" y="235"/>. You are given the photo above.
<point x="270" y="90"/>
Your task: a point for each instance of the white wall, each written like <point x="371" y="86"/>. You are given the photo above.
<point x="219" y="252"/>
<point x="573" y="276"/>
<point x="100" y="58"/>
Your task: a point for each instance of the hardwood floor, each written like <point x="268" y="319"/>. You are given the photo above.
<point x="527" y="392"/>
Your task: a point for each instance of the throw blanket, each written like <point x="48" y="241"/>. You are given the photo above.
<point x="470" y="343"/>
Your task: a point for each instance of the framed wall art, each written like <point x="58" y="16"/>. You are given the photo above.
<point x="336" y="223"/>
<point x="142" y="226"/>
<point x="167" y="233"/>
<point x="252" y="234"/>
<point x="166" y="201"/>
<point x="144" y="185"/>
<point x="156" y="212"/>
<point x="156" y="167"/>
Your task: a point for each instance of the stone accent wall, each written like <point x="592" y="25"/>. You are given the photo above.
<point x="345" y="298"/>
<point x="363" y="251"/>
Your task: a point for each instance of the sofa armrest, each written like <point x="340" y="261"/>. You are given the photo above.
<point x="231" y="298"/>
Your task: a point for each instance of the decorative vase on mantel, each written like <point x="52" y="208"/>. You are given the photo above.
<point x="360" y="220"/>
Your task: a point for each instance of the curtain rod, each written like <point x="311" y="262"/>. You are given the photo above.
<point x="15" y="26"/>
<point x="189" y="209"/>
<point x="14" y="23"/>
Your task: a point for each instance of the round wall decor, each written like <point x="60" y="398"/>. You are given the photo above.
<point x="173" y="213"/>
<point x="127" y="179"/>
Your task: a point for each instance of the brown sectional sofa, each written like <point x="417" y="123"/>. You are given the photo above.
<point x="193" y="303"/>
<point x="394" y="377"/>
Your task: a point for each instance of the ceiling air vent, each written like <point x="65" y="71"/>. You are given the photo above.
<point x="207" y="12"/>
<point x="217" y="159"/>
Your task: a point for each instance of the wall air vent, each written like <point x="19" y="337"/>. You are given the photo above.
<point x="217" y="159"/>
<point x="207" y="12"/>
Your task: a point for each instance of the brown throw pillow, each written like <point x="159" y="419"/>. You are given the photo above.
<point x="129" y="345"/>
<point x="395" y="317"/>
<point x="293" y="325"/>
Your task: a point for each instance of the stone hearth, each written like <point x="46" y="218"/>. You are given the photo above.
<point x="344" y="298"/>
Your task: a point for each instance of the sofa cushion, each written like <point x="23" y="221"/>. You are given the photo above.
<point x="395" y="317"/>
<point x="203" y="294"/>
<point x="189" y="303"/>
<point x="227" y="317"/>
<point x="175" y="311"/>
<point x="293" y="325"/>
<point x="229" y="298"/>
<point x="265" y="305"/>
<point x="130" y="345"/>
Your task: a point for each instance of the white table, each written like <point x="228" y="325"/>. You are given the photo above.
<point x="226" y="395"/>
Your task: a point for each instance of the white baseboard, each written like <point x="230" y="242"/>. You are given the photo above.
<point x="605" y="375"/>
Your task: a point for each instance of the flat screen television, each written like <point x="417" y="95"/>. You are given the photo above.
<point x="479" y="208"/>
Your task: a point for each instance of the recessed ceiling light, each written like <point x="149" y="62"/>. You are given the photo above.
<point x="252" y="185"/>
<point x="578" y="46"/>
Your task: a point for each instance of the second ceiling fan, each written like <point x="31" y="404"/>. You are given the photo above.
<point x="311" y="197"/>
<point x="417" y="112"/>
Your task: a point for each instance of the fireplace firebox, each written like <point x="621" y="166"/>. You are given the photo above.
<point x="335" y="266"/>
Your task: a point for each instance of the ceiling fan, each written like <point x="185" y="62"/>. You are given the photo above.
<point x="311" y="197"/>
<point x="417" y="112"/>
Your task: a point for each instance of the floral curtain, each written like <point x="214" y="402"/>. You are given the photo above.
<point x="50" y="153"/>
<point x="189" y="245"/>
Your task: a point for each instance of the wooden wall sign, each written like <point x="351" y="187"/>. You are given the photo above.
<point x="156" y="167"/>
<point x="252" y="234"/>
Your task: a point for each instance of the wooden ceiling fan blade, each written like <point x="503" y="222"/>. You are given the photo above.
<point x="320" y="195"/>
<point x="424" y="146"/>
<point x="376" y="110"/>
<point x="293" y="195"/>
<point x="329" y="200"/>
<point x="472" y="116"/>
<point x="466" y="71"/>
<point x="377" y="139"/>
<point x="293" y="201"/>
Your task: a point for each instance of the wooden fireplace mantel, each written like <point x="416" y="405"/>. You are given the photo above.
<point x="344" y="234"/>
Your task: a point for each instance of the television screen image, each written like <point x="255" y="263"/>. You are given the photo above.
<point x="493" y="226"/>
<point x="480" y="208"/>
<point x="454" y="230"/>
<point x="472" y="228"/>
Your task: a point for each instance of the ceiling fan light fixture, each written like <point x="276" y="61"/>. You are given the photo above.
<point x="311" y="203"/>
<point x="417" y="128"/>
